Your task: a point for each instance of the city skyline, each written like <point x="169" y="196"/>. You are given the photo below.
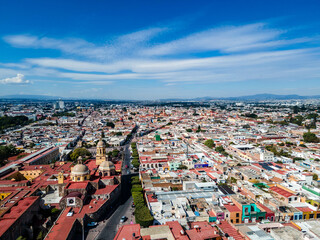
<point x="161" y="50"/>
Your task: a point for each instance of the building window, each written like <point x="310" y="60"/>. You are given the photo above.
<point x="231" y="220"/>
<point x="237" y="220"/>
<point x="237" y="215"/>
<point x="78" y="178"/>
<point x="246" y="211"/>
<point x="311" y="216"/>
<point x="304" y="216"/>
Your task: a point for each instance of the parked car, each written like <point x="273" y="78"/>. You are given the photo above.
<point x="123" y="219"/>
<point x="70" y="214"/>
<point x="92" y="224"/>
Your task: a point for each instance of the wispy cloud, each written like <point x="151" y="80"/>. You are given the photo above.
<point x="19" y="79"/>
<point x="115" y="47"/>
<point x="232" y="53"/>
<point x="226" y="39"/>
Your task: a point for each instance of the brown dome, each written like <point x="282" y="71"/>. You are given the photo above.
<point x="106" y="165"/>
<point x="101" y="143"/>
<point x="80" y="169"/>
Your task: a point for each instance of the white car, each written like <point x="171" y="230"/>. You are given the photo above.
<point x="123" y="219"/>
<point x="70" y="214"/>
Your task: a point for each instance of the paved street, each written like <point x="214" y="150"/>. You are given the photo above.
<point x="108" y="229"/>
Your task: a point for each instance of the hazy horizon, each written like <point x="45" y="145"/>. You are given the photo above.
<point x="159" y="50"/>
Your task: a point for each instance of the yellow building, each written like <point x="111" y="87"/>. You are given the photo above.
<point x="3" y="195"/>
<point x="31" y="174"/>
<point x="107" y="168"/>
<point x="80" y="172"/>
<point x="101" y="152"/>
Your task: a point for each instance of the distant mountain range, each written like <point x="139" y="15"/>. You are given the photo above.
<point x="256" y="97"/>
<point x="265" y="96"/>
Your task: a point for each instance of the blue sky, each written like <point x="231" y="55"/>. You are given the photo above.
<point x="159" y="49"/>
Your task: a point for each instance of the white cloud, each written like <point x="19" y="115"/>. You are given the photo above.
<point x="19" y="79"/>
<point x="116" y="47"/>
<point x="241" y="53"/>
<point x="143" y="66"/>
<point x="227" y="39"/>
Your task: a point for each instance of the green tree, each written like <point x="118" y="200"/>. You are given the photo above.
<point x="136" y="188"/>
<point x="209" y="143"/>
<point x="115" y="153"/>
<point x="182" y="167"/>
<point x="21" y="238"/>
<point x="298" y="159"/>
<point x="315" y="177"/>
<point x="141" y="212"/>
<point x="135" y="180"/>
<point x="64" y="114"/>
<point x="84" y="153"/>
<point x="233" y="180"/>
<point x="135" y="163"/>
<point x="7" y="122"/>
<point x="135" y="153"/>
<point x="189" y="130"/>
<point x="54" y="211"/>
<point x="31" y="145"/>
<point x="143" y="216"/>
<point x="40" y="235"/>
<point x="251" y="115"/>
<point x="6" y="152"/>
<point x="221" y="150"/>
<point x="110" y="124"/>
<point x="297" y="120"/>
<point x="312" y="116"/>
<point x="310" y="137"/>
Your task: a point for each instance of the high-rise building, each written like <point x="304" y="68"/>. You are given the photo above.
<point x="61" y="104"/>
